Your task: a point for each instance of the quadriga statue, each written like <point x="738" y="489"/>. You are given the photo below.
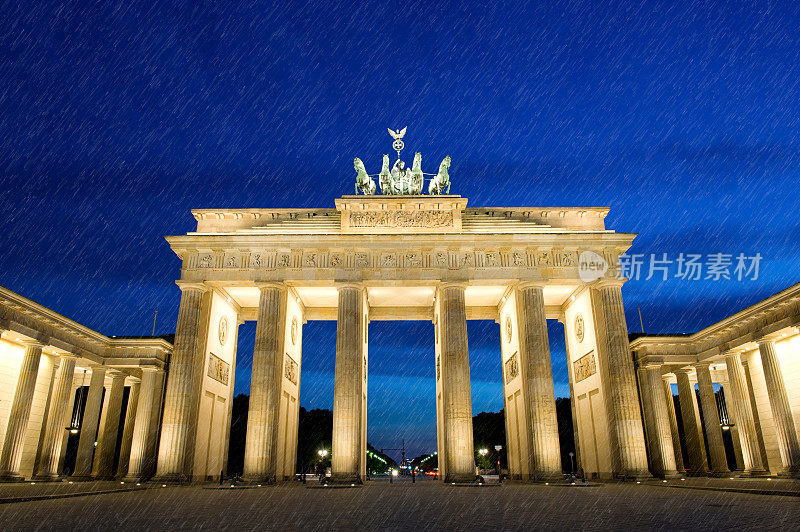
<point x="364" y="182"/>
<point x="401" y="180"/>
<point x="385" y="177"/>
<point x="441" y="183"/>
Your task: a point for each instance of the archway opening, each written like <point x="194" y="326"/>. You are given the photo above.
<point x="401" y="400"/>
<point x="488" y="406"/>
<point x="316" y="395"/>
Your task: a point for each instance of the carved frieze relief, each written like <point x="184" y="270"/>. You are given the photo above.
<point x="401" y="219"/>
<point x="353" y="259"/>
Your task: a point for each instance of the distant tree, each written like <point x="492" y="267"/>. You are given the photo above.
<point x="315" y="433"/>
<point x="489" y="430"/>
<point x="378" y="462"/>
<point x="426" y="462"/>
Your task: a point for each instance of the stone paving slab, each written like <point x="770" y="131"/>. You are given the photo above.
<point x="32" y="491"/>
<point x="761" y="486"/>
<point x="405" y="506"/>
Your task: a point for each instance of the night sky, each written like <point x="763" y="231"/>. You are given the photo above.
<point x="117" y="118"/>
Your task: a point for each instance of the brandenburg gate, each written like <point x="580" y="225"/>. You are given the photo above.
<point x="400" y="257"/>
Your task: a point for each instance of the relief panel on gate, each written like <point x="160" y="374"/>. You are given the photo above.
<point x="290" y="370"/>
<point x="585" y="367"/>
<point x="512" y="368"/>
<point x="218" y="369"/>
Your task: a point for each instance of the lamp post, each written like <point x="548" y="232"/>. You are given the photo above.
<point x="322" y="454"/>
<point x="572" y="462"/>
<point x="497" y="449"/>
<point x="483" y="452"/>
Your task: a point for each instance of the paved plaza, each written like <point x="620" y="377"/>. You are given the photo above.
<point x="402" y="505"/>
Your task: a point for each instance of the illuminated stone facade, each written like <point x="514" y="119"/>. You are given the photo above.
<point x="754" y="358"/>
<point x="400" y="258"/>
<point x="44" y="359"/>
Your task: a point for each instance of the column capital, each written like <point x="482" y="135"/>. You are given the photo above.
<point x="702" y="364"/>
<point x="358" y="286"/>
<point x="607" y="282"/>
<point x="732" y="357"/>
<point x="192" y="285"/>
<point x="271" y="284"/>
<point x="685" y="370"/>
<point x="452" y="284"/>
<point x="31" y="342"/>
<point x="530" y="284"/>
<point x="115" y="373"/>
<point x="764" y="340"/>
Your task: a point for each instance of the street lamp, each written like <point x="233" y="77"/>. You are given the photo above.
<point x="322" y="453"/>
<point x="483" y="452"/>
<point x="572" y="461"/>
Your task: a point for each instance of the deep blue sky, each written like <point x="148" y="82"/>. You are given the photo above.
<point x="117" y="118"/>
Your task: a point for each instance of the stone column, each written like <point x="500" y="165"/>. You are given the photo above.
<point x="107" y="445"/>
<point x="740" y="404"/>
<point x="573" y="403"/>
<point x="456" y="394"/>
<point x="748" y="379"/>
<point x="665" y="454"/>
<point x="229" y="418"/>
<point x="733" y="426"/>
<point x="261" y="442"/>
<point x="537" y="383"/>
<point x="779" y="404"/>
<point x="708" y="401"/>
<point x="673" y="424"/>
<point x="690" y="415"/>
<point x="11" y="457"/>
<point x="127" y="431"/>
<point x="626" y="434"/>
<point x="182" y="401"/>
<point x="650" y="434"/>
<point x="346" y="456"/>
<point x="145" y="426"/>
<point x="91" y="418"/>
<point x="57" y="419"/>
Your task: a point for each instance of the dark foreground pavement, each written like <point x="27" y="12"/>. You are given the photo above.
<point x="405" y="506"/>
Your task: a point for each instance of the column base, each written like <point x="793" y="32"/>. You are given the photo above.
<point x="634" y="476"/>
<point x="253" y="481"/>
<point x="83" y="478"/>
<point x="550" y="476"/>
<point x="701" y="473"/>
<point x="12" y="477"/>
<point x="759" y="473"/>
<point x="345" y="478"/>
<point x="173" y="478"/>
<point x="720" y="474"/>
<point x="46" y="478"/>
<point x="460" y="479"/>
<point x="790" y="472"/>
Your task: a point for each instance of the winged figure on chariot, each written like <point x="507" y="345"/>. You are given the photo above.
<point x="401" y="180"/>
